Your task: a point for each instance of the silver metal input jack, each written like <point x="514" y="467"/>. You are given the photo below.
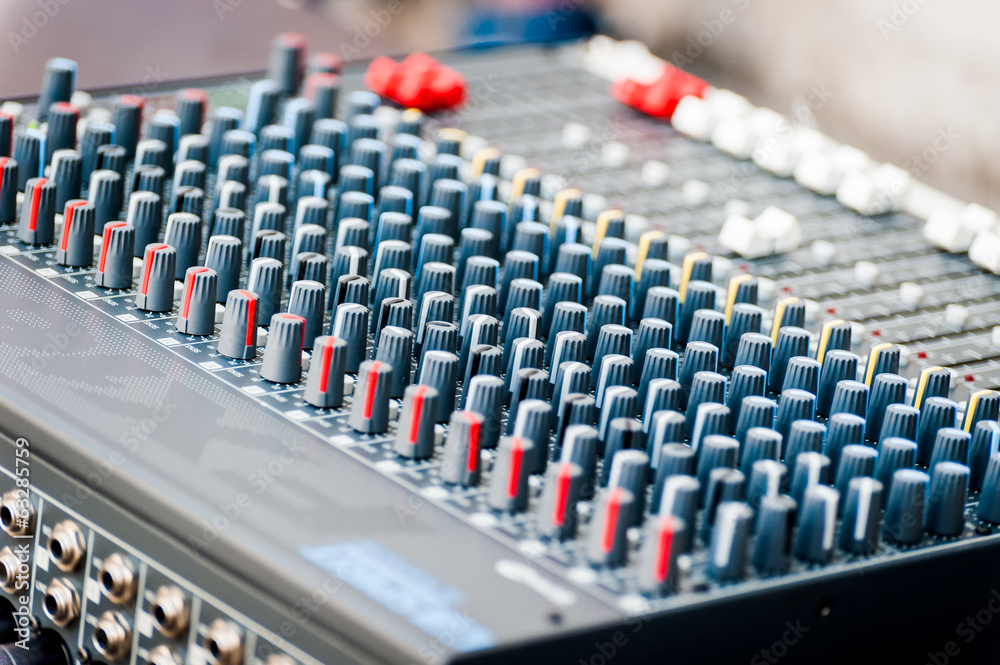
<point x="112" y="636"/>
<point x="67" y="545"/>
<point x="61" y="602"/>
<point x="17" y="516"/>
<point x="170" y="611"/>
<point x="224" y="643"/>
<point x="118" y="579"/>
<point x="10" y="568"/>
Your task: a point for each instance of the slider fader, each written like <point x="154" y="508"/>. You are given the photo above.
<point x="541" y="355"/>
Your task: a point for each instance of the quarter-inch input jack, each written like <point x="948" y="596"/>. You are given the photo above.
<point x="118" y="579"/>
<point x="170" y="611"/>
<point x="67" y="545"/>
<point x="11" y="570"/>
<point x="224" y="643"/>
<point x="112" y="636"/>
<point x="17" y="516"/>
<point x="61" y="602"/>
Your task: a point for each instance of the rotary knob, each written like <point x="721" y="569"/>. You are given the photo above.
<point x="370" y="409"/>
<point x="325" y="383"/>
<point x="198" y="300"/>
<point x="283" y="353"/>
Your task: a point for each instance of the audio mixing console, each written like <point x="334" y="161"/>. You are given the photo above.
<point x="554" y="355"/>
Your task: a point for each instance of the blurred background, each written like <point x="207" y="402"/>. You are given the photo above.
<point x="913" y="82"/>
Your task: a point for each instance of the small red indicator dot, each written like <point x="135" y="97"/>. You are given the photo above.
<point x="744" y="267"/>
<point x="786" y="289"/>
<point x="921" y="354"/>
<point x="969" y="378"/>
<point x="831" y="311"/>
<point x="876" y="333"/>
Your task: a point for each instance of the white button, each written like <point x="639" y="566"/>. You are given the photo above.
<point x="866" y="272"/>
<point x="995" y="337"/>
<point x="911" y="293"/>
<point x="575" y="135"/>
<point x="511" y="164"/>
<point x="985" y="251"/>
<point x="471" y="145"/>
<point x="695" y="192"/>
<point x="944" y="229"/>
<point x="654" y="174"/>
<point x="956" y="315"/>
<point x="738" y="207"/>
<point x="823" y="251"/>
<point x="13" y="109"/>
<point x="614" y="155"/>
<point x="740" y="234"/>
<point x="976" y="218"/>
<point x="594" y="205"/>
<point x="781" y="228"/>
<point x="693" y="118"/>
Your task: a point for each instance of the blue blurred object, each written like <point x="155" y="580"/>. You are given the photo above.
<point x="547" y="21"/>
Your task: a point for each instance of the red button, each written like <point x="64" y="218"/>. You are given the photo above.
<point x="419" y="82"/>
<point x="659" y="99"/>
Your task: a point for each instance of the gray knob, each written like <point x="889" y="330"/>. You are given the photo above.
<point x="862" y="525"/>
<point x="579" y="446"/>
<point x="266" y="280"/>
<point x="156" y="283"/>
<point x="904" y="512"/>
<point x="197" y="307"/>
<point x="439" y="370"/>
<point x="658" y="571"/>
<point x="817" y="523"/>
<point x="307" y="300"/>
<point x="395" y="347"/>
<point x="283" y="353"/>
<point x="224" y="257"/>
<point x="238" y="335"/>
<point x="415" y="436"/>
<point x="350" y="323"/>
<point x="729" y="546"/>
<point x="39" y="212"/>
<point x="114" y="268"/>
<point x="772" y="554"/>
<point x="462" y="449"/>
<point x="485" y="397"/>
<point x="949" y="493"/>
<point x="184" y="234"/>
<point x="370" y="409"/>
<point x="989" y="498"/>
<point x="76" y="245"/>
<point x="509" y="488"/>
<point x="325" y="383"/>
<point x="557" y="516"/>
<point x="607" y="544"/>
